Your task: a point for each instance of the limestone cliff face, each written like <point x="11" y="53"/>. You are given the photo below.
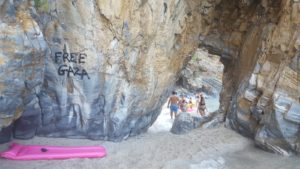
<point x="102" y="69"/>
<point x="259" y="45"/>
<point x="110" y="65"/>
<point x="202" y="73"/>
<point x="22" y="63"/>
<point x="130" y="52"/>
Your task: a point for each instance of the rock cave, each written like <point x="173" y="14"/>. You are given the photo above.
<point x="124" y="57"/>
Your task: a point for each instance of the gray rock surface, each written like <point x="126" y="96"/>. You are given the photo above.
<point x="202" y="73"/>
<point x="261" y="91"/>
<point x="22" y="63"/>
<point x="89" y="69"/>
<point x="185" y="122"/>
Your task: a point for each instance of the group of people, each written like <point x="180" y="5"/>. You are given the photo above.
<point x="184" y="105"/>
<point x="175" y="104"/>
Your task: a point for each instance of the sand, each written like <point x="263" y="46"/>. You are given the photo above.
<point x="217" y="148"/>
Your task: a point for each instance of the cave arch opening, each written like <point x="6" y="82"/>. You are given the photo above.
<point x="202" y="73"/>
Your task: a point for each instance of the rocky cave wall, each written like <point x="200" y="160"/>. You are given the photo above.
<point x="102" y="69"/>
<point x="259" y="45"/>
<point x="90" y="69"/>
<point x="203" y="73"/>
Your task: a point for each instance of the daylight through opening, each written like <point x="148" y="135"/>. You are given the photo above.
<point x="202" y="74"/>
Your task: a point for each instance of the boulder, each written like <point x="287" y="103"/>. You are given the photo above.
<point x="183" y="123"/>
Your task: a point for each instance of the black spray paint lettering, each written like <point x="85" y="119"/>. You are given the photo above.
<point x="70" y="57"/>
<point x="78" y="58"/>
<point x="75" y="71"/>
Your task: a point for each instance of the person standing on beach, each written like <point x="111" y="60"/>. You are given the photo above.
<point x="201" y="105"/>
<point x="173" y="104"/>
<point x="190" y="104"/>
<point x="182" y="104"/>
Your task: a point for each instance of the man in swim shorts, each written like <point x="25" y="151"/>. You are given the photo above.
<point x="173" y="101"/>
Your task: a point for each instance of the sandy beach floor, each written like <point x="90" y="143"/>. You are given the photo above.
<point x="217" y="148"/>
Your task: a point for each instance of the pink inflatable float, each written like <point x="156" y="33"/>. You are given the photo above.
<point x="32" y="152"/>
<point x="190" y="109"/>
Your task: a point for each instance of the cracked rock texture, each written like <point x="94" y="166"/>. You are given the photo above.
<point x="202" y="73"/>
<point x="22" y="63"/>
<point x="101" y="69"/>
<point x="89" y="69"/>
<point x="259" y="45"/>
